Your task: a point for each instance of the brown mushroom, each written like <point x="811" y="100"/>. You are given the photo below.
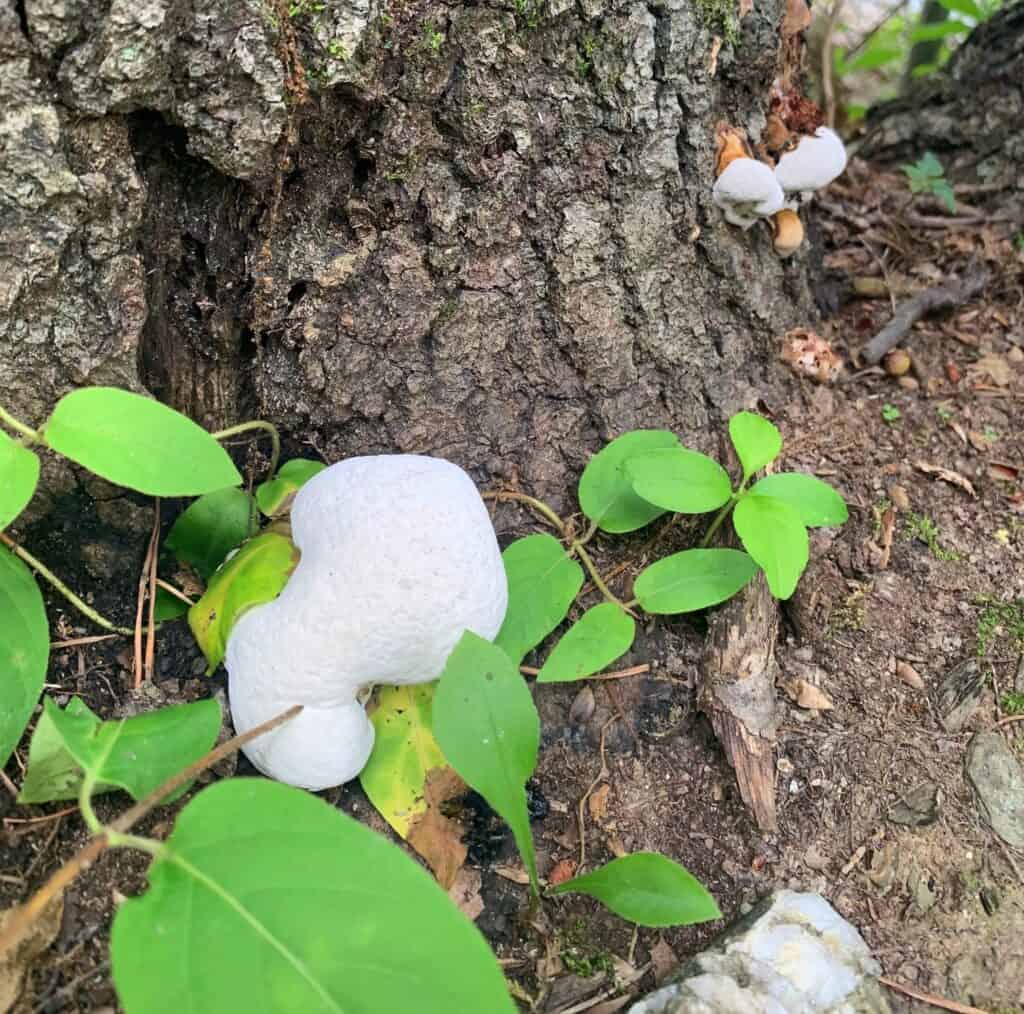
<point x="789" y="232"/>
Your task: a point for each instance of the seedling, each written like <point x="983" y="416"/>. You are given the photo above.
<point x="924" y="529"/>
<point x="890" y="413"/>
<point x="926" y="176"/>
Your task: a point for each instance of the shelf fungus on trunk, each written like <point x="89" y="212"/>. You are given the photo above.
<point x="398" y="559"/>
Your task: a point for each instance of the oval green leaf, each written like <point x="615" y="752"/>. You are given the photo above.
<point x="24" y="649"/>
<point x="680" y="480"/>
<point x="543" y="581"/>
<point x="210" y="528"/>
<point x="487" y="727"/>
<point x="269" y="901"/>
<point x="139" y="443"/>
<point x="606" y="492"/>
<point x="816" y="503"/>
<point x="647" y="888"/>
<point x="693" y="579"/>
<point x="756" y="440"/>
<point x="595" y="640"/>
<point x="19" y="475"/>
<point x="254" y="575"/>
<point x="168" y="606"/>
<point x="773" y="534"/>
<point x="135" y="754"/>
<point x="275" y="495"/>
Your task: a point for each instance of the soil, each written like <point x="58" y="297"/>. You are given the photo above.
<point x="940" y="904"/>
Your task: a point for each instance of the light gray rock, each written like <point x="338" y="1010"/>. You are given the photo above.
<point x="793" y="954"/>
<point x="998" y="781"/>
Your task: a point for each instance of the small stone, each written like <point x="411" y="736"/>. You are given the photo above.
<point x="918" y="807"/>
<point x="908" y="383"/>
<point x="815" y="858"/>
<point x="906" y="672"/>
<point x="1015" y="355"/>
<point x="998" y="782"/>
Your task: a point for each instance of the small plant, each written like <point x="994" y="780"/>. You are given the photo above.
<point x="926" y="176"/>
<point x="529" y="13"/>
<point x="944" y="413"/>
<point x="890" y="413"/>
<point x="337" y="51"/>
<point x="924" y="529"/>
<point x="999" y="619"/>
<point x="1012" y="703"/>
<point x="585" y="57"/>
<point x="433" y="38"/>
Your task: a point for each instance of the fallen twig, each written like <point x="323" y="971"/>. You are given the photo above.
<point x="939" y="297"/>
<point x="935" y="1001"/>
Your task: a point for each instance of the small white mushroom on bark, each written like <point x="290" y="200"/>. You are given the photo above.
<point x="814" y="163"/>
<point x="747" y="191"/>
<point x="399" y="558"/>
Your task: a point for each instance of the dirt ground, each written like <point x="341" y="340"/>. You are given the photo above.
<point x="876" y="629"/>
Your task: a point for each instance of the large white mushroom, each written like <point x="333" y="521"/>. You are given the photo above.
<point x="747" y="190"/>
<point x="399" y="558"/>
<point x="814" y="163"/>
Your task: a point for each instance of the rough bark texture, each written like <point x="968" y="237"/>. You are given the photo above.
<point x="738" y="692"/>
<point x="971" y="113"/>
<point x="488" y="233"/>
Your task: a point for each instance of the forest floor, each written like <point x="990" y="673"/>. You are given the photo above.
<point x="922" y="588"/>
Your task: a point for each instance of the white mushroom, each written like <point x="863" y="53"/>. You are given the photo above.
<point x="747" y="190"/>
<point x="399" y="558"/>
<point x="814" y="163"/>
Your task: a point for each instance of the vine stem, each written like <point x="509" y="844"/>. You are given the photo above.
<point x="719" y="518"/>
<point x="115" y="835"/>
<point x="256" y="424"/>
<point x="538" y="505"/>
<point x="43" y="571"/>
<point x="577" y="547"/>
<point x="15" y="424"/>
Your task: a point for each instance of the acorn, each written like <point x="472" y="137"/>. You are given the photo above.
<point x="896" y="362"/>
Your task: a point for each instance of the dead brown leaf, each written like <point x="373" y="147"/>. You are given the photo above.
<point x="806" y="695"/>
<point x="514" y="873"/>
<point x="906" y="672"/>
<point x="563" y="870"/>
<point x="597" y="803"/>
<point x="433" y="835"/>
<point x="663" y="960"/>
<point x="946" y="475"/>
<point x="994" y="367"/>
<point x="798" y="17"/>
<point x="465" y="892"/>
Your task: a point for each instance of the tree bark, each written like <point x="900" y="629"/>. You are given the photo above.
<point x="479" y="230"/>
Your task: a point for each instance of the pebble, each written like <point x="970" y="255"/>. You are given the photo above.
<point x="997" y="778"/>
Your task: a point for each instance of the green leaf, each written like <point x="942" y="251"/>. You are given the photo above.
<point x="647" y="888"/>
<point x="874" y="57"/>
<point x="693" y="579"/>
<point x="254" y="575"/>
<point x="773" y="534"/>
<point x="275" y="495"/>
<point x="944" y="192"/>
<point x="24" y="649"/>
<point x="210" y="528"/>
<point x="267" y="900"/>
<point x="167" y="606"/>
<point x="19" y="475"/>
<point x="53" y="773"/>
<point x="756" y="441"/>
<point x="680" y="480"/>
<point x="606" y="488"/>
<point x="487" y="726"/>
<point x="967" y="7"/>
<point x="404" y="753"/>
<point x="927" y="33"/>
<point x="139" y="443"/>
<point x="817" y="503"/>
<point x="597" y="639"/>
<point x="136" y="754"/>
<point x="543" y="581"/>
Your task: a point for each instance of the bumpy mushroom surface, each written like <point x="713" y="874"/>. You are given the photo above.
<point x="814" y="163"/>
<point x="399" y="558"/>
<point x="746" y="191"/>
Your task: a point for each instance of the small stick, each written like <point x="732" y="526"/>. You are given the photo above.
<point x="603" y="773"/>
<point x="931" y="998"/>
<point x="22" y="918"/>
<point x="176" y="592"/>
<point x="8" y="784"/>
<point x="1009" y="719"/>
<point x="939" y="297"/>
<point x="40" y="820"/>
<point x="78" y="642"/>
<point x="154" y="557"/>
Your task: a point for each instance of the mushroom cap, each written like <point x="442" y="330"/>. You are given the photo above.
<point x="746" y="191"/>
<point x="815" y="162"/>
<point x="399" y="558"/>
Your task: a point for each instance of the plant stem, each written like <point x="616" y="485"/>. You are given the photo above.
<point x="590" y="533"/>
<point x="577" y="547"/>
<point x="7" y="419"/>
<point x="719" y="518"/>
<point x="538" y="505"/>
<point x="256" y="424"/>
<point x="22" y="918"/>
<point x="43" y="571"/>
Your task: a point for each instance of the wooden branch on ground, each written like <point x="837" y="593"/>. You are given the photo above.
<point x="738" y="693"/>
<point x="939" y="297"/>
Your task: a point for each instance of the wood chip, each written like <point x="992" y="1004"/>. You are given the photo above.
<point x="598" y="803"/>
<point x="946" y="475"/>
<point x="514" y="873"/>
<point x="664" y="961"/>
<point x="807" y="695"/>
<point x="465" y="892"/>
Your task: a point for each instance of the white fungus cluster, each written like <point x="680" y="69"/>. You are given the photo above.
<point x="399" y="558"/>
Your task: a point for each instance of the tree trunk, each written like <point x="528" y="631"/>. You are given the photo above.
<point x="479" y="230"/>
